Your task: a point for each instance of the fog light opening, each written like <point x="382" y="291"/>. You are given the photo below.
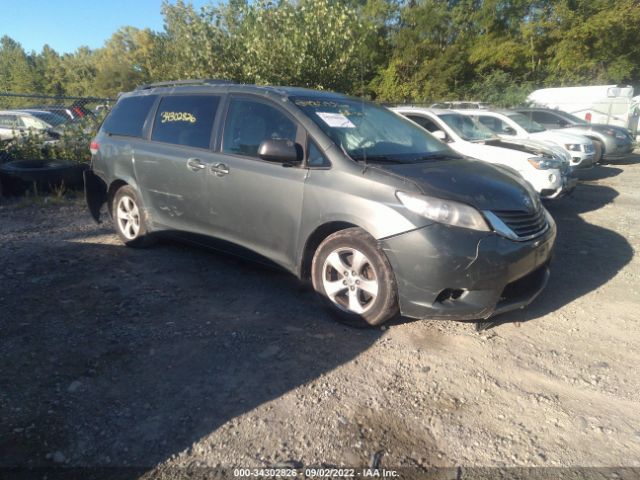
<point x="449" y="295"/>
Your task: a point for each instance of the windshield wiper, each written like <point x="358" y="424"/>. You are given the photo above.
<point x="375" y="158"/>
<point x="438" y="156"/>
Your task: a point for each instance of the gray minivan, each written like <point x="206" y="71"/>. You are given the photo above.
<point x="375" y="211"/>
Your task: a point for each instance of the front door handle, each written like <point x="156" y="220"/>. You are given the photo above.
<point x="195" y="164"/>
<point x="220" y="169"/>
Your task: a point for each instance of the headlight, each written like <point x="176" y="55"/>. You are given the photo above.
<point x="444" y="211"/>
<point x="542" y="163"/>
<point x="574" y="147"/>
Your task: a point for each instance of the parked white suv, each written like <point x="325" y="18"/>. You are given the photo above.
<point x="546" y="170"/>
<point x="508" y="124"/>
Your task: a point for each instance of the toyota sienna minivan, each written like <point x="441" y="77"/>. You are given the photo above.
<point x="378" y="214"/>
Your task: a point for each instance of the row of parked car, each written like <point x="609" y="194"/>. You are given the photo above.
<point x="48" y="120"/>
<point x="544" y="146"/>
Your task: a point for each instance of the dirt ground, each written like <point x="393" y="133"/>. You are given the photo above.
<point x="180" y="356"/>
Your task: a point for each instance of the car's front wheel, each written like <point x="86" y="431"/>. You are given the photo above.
<point x="128" y="217"/>
<point x="354" y="276"/>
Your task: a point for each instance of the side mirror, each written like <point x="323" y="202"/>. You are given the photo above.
<point x="280" y="151"/>
<point x="509" y="131"/>
<point x="440" y="135"/>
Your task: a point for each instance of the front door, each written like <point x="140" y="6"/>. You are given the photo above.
<point x="253" y="202"/>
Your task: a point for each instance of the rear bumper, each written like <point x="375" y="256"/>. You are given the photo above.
<point x="452" y="273"/>
<point x="95" y="193"/>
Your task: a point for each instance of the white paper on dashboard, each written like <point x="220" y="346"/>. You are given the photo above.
<point x="336" y="120"/>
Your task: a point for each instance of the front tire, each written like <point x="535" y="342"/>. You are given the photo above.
<point x="352" y="273"/>
<point x="128" y="216"/>
<point x="599" y="151"/>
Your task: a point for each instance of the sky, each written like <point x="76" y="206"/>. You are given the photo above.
<point x="68" y="24"/>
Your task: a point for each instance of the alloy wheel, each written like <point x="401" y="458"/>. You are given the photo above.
<point x="128" y="217"/>
<point x="349" y="280"/>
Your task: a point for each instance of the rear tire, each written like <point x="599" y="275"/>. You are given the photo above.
<point x="128" y="217"/>
<point x="353" y="275"/>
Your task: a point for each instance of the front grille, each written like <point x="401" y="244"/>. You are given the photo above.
<point x="523" y="224"/>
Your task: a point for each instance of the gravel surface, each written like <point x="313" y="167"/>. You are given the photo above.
<point x="177" y="355"/>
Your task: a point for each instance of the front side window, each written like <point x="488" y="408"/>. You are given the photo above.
<point x="467" y="127"/>
<point x="366" y="131"/>
<point x="128" y="116"/>
<point x="526" y="123"/>
<point x="496" y="125"/>
<point x="315" y="157"/>
<point x="185" y="120"/>
<point x="249" y="123"/>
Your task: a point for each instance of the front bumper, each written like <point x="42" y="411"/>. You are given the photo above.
<point x="568" y="185"/>
<point x="452" y="273"/>
<point x="582" y="160"/>
<point x="621" y="148"/>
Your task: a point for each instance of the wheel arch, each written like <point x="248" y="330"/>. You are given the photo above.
<point x="600" y="140"/>
<point x="313" y="242"/>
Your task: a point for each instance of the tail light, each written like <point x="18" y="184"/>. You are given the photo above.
<point x="94" y="147"/>
<point x="587" y="117"/>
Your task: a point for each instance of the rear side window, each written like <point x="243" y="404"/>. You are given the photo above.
<point x="185" y="120"/>
<point x="128" y="115"/>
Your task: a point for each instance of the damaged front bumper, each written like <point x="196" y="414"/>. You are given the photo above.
<point x="451" y="273"/>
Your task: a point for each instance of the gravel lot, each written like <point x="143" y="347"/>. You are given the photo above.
<point x="178" y="355"/>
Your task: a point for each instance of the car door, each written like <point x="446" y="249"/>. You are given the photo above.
<point x="253" y="202"/>
<point x="172" y="167"/>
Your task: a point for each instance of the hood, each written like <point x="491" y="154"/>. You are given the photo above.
<point x="603" y="127"/>
<point x="560" y="137"/>
<point x="534" y="147"/>
<point x="473" y="182"/>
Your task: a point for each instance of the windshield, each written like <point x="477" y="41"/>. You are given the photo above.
<point x="526" y="123"/>
<point x="368" y="131"/>
<point x="466" y="127"/>
<point x="51" y="118"/>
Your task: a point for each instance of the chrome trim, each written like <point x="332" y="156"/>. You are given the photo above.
<point x="501" y="228"/>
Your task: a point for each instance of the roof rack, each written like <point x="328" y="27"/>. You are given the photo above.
<point x="200" y="81"/>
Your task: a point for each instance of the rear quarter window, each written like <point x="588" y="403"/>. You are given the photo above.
<point x="128" y="116"/>
<point x="185" y="120"/>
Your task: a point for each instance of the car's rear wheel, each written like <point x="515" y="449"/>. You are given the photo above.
<point x="129" y="219"/>
<point x="355" y="278"/>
